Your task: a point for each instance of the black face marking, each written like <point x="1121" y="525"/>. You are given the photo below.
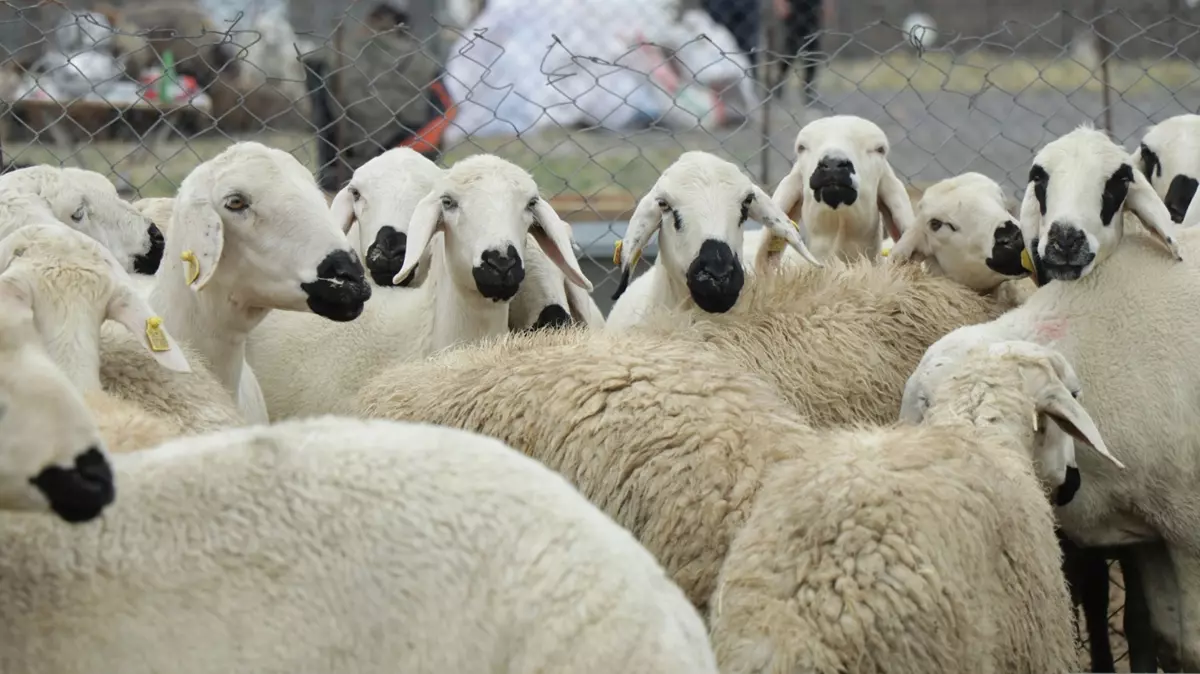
<point x="1116" y="188"/>
<point x="676" y="218"/>
<point x="552" y="316"/>
<point x="1040" y="180"/>
<point x="1066" y="491"/>
<point x="78" y="494"/>
<point x="499" y="274"/>
<point x="715" y="278"/>
<point x="1007" y="246"/>
<point x="1179" y="196"/>
<point x="1151" y="165"/>
<point x="341" y="290"/>
<point x="745" y="214"/>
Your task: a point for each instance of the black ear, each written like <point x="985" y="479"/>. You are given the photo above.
<point x="1151" y="166"/>
<point x="1179" y="196"/>
<point x="1116" y="188"/>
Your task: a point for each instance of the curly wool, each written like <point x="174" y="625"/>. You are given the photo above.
<point x="667" y="437"/>
<point x="839" y="342"/>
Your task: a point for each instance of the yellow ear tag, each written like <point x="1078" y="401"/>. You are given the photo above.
<point x="193" y="266"/>
<point x="617" y="254"/>
<point x="1027" y="261"/>
<point x="155" y="335"/>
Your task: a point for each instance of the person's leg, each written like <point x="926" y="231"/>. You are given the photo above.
<point x="807" y="29"/>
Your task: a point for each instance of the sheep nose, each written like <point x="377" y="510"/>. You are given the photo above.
<point x="385" y="256"/>
<point x="828" y="163"/>
<point x="1067" y="246"/>
<point x="715" y="278"/>
<point x="341" y="289"/>
<point x="78" y="494"/>
<point x="147" y="263"/>
<point x="499" y="275"/>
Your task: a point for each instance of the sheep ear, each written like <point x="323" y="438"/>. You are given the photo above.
<point x="554" y="237"/>
<point x="202" y="235"/>
<point x="894" y="205"/>
<point x="645" y="221"/>
<point x="789" y="194"/>
<point x="779" y="226"/>
<point x="128" y="308"/>
<point x="1144" y="202"/>
<point x="426" y="221"/>
<point x="1057" y="403"/>
<point x="1031" y="225"/>
<point x="913" y="245"/>
<point x="342" y="209"/>
<point x="582" y="309"/>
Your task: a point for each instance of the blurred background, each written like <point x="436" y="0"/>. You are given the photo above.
<point x="594" y="97"/>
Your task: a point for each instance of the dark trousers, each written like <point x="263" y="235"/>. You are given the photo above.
<point x="740" y="17"/>
<point x="801" y="28"/>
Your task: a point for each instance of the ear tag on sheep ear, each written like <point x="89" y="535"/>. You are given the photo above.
<point x="617" y="254"/>
<point x="1027" y="261"/>
<point x="193" y="266"/>
<point x="156" y="336"/>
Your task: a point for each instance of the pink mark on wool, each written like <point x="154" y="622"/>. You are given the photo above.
<point x="1052" y="330"/>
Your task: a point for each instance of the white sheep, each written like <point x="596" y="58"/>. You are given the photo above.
<point x="1122" y="312"/>
<point x="85" y="201"/>
<point x="483" y="208"/>
<point x="840" y="186"/>
<point x="73" y="285"/>
<point x="330" y="545"/>
<point x="376" y="206"/>
<point x="251" y="232"/>
<point x="964" y="230"/>
<point x="704" y="202"/>
<point x="52" y="457"/>
<point x="1169" y="157"/>
<point x="916" y="549"/>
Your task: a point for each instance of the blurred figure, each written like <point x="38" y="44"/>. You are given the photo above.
<point x="408" y="105"/>
<point x="802" y="25"/>
<point x="741" y="18"/>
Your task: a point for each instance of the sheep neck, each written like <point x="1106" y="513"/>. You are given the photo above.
<point x="667" y="289"/>
<point x="76" y="350"/>
<point x="841" y="232"/>
<point x="984" y="408"/>
<point x="210" y="320"/>
<point x="460" y="315"/>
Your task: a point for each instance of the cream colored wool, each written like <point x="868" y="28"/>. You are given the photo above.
<point x="668" y="437"/>
<point x="839" y="342"/>
<point x="908" y="550"/>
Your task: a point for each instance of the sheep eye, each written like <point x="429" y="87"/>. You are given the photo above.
<point x="77" y="216"/>
<point x="936" y="224"/>
<point x="1075" y="394"/>
<point x="448" y="202"/>
<point x="236" y="203"/>
<point x="748" y="200"/>
<point x="532" y="203"/>
<point x="800" y="149"/>
<point x="881" y="149"/>
<point x="662" y="203"/>
<point x="355" y="193"/>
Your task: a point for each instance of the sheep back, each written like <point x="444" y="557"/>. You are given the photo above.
<point x="838" y="342"/>
<point x="906" y="550"/>
<point x="666" y="437"/>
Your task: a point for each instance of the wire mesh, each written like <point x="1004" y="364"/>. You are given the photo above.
<point x="594" y="98"/>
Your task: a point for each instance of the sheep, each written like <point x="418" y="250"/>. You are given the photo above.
<point x="863" y="327"/>
<point x="251" y="232"/>
<point x="52" y="457"/>
<point x="1167" y="156"/>
<point x="917" y="549"/>
<point x="667" y="436"/>
<point x="842" y="185"/>
<point x="964" y="230"/>
<point x="85" y="201"/>
<point x="340" y="545"/>
<point x="157" y="209"/>
<point x="483" y="207"/>
<point x="706" y="202"/>
<point x="1134" y="309"/>
<point x="376" y="206"/>
<point x="74" y="284"/>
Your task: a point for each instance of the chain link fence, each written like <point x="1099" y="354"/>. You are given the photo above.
<point x="594" y="97"/>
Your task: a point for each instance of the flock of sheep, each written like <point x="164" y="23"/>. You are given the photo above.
<point x="248" y="430"/>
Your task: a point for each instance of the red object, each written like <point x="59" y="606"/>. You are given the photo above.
<point x="187" y="86"/>
<point x="428" y="138"/>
